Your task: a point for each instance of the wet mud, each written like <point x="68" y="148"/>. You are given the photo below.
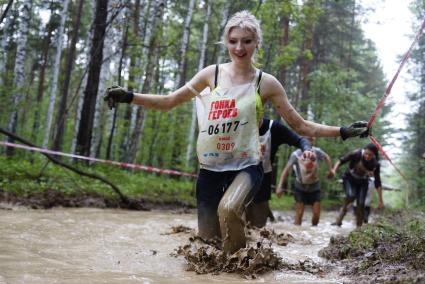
<point x="257" y="258"/>
<point x="390" y="250"/>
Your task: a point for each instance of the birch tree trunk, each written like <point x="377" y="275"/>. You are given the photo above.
<point x="4" y="14"/>
<point x="203" y="49"/>
<point x="144" y="29"/>
<point x="3" y="46"/>
<point x="135" y="65"/>
<point x="178" y="114"/>
<point x="151" y="33"/>
<point x="40" y="90"/>
<point x="181" y="72"/>
<point x="112" y="117"/>
<point x="224" y="19"/>
<point x="19" y="70"/>
<point x="55" y="72"/>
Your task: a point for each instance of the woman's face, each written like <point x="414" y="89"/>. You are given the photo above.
<point x="241" y="45"/>
<point x="367" y="154"/>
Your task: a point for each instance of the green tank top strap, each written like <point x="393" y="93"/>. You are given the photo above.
<point x="216" y="75"/>
<point x="258" y="101"/>
<point x="259" y="81"/>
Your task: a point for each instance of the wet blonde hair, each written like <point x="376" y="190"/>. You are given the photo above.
<point x="244" y="20"/>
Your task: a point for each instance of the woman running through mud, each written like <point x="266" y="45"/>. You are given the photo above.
<point x="306" y="187"/>
<point x="272" y="135"/>
<point x="228" y="144"/>
<point x="362" y="164"/>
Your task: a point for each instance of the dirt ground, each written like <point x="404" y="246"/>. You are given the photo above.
<point x="50" y="198"/>
<point x="390" y="250"/>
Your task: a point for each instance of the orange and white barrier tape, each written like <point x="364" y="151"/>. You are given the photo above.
<point x="120" y="164"/>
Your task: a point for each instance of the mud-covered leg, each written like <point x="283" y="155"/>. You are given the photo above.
<point x="350" y="195"/>
<point x="230" y="211"/>
<point x="366" y="214"/>
<point x="359" y="215"/>
<point x="208" y="224"/>
<point x="257" y="213"/>
<point x="342" y="212"/>
<point x="209" y="191"/>
<point x="316" y="213"/>
<point x="299" y="212"/>
<point x="361" y="205"/>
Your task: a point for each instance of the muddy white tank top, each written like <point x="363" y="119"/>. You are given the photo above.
<point x="228" y="136"/>
<point x="266" y="148"/>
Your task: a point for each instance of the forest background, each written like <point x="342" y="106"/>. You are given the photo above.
<point x="58" y="58"/>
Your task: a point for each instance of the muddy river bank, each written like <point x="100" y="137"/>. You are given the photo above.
<point x="94" y="245"/>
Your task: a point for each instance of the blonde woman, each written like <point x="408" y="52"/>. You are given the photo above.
<point x="228" y="145"/>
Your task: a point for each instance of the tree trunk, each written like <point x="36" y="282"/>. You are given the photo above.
<point x="219" y="47"/>
<point x="178" y="115"/>
<point x="181" y="72"/>
<point x="305" y="62"/>
<point x="201" y="64"/>
<point x="4" y="15"/>
<point x="61" y="114"/>
<point x="138" y="127"/>
<point x="111" y="37"/>
<point x="19" y="70"/>
<point x="4" y="46"/>
<point x="284" y="40"/>
<point x="40" y="91"/>
<point x="124" y="46"/>
<point x="90" y="93"/>
<point x="135" y="65"/>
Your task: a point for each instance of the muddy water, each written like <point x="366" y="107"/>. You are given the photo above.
<point x="117" y="246"/>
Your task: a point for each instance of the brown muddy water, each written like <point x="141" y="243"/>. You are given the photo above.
<point x="88" y="245"/>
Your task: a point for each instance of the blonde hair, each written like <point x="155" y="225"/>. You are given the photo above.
<point x="244" y="20"/>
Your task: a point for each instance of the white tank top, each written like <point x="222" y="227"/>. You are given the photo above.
<point x="228" y="138"/>
<point x="266" y="148"/>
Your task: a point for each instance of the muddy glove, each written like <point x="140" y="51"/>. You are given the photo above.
<point x="358" y="128"/>
<point x="117" y="94"/>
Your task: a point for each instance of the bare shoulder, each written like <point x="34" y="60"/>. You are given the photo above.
<point x="270" y="85"/>
<point x="204" y="78"/>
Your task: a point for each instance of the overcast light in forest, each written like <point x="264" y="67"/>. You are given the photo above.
<point x="389" y="24"/>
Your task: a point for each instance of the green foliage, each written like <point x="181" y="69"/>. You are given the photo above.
<point x="342" y="84"/>
<point x="397" y="237"/>
<point x="25" y="177"/>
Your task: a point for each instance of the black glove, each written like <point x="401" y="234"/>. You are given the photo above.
<point x="358" y="128"/>
<point x="117" y="94"/>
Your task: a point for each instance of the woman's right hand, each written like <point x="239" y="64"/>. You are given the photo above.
<point x="117" y="94"/>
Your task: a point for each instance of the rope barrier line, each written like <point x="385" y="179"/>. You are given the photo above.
<point x="121" y="164"/>
<point x="390" y="85"/>
<point x="386" y="94"/>
<point x="374" y="141"/>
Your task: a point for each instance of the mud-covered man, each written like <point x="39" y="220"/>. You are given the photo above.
<point x="362" y="163"/>
<point x="306" y="186"/>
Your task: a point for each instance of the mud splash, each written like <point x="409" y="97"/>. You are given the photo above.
<point x="204" y="257"/>
<point x="281" y="239"/>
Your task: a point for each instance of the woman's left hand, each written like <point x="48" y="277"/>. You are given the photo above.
<point x="358" y="128"/>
